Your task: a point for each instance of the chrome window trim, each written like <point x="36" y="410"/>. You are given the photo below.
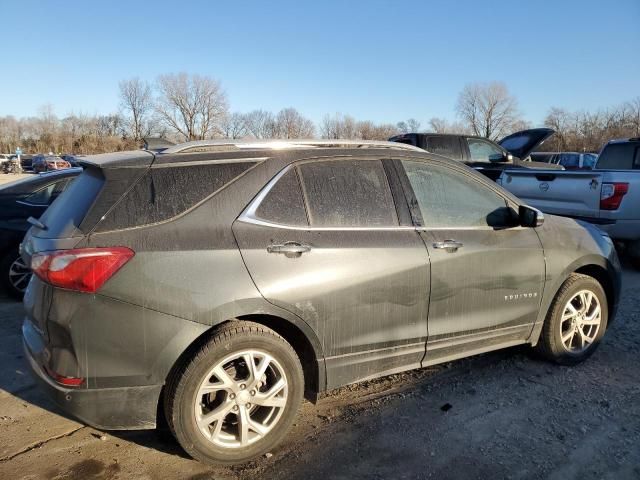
<point x="249" y="214"/>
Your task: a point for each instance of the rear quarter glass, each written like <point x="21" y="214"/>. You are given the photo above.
<point x="164" y="192"/>
<point x="67" y="212"/>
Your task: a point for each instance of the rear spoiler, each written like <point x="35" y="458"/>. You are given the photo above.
<point x="135" y="158"/>
<point x="156" y="144"/>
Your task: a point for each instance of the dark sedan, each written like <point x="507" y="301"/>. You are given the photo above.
<point x="20" y="200"/>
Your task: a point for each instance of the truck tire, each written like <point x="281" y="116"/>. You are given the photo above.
<point x="633" y="252"/>
<point x="221" y="409"/>
<point x="576" y="321"/>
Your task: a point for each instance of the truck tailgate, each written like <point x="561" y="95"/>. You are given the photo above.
<point x="568" y="193"/>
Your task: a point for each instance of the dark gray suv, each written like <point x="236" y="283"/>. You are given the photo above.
<point x="216" y="284"/>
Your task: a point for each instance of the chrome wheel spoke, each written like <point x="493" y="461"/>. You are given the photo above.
<point x="568" y="336"/>
<point x="243" y="424"/>
<point x="241" y="399"/>
<point x="579" y="325"/>
<point x="270" y="398"/>
<point x="218" y="415"/>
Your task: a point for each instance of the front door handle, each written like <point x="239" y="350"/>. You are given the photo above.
<point x="289" y="248"/>
<point x="449" y="245"/>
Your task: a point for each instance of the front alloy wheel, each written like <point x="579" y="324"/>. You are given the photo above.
<point x="576" y="321"/>
<point x="580" y="321"/>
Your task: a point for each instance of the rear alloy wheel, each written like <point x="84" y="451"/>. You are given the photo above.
<point x="237" y="397"/>
<point x="15" y="273"/>
<point x="576" y="321"/>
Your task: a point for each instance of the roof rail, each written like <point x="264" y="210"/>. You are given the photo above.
<point x="222" y="145"/>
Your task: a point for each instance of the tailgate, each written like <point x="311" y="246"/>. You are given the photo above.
<point x="568" y="193"/>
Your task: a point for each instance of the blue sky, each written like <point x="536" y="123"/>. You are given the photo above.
<point x="380" y="60"/>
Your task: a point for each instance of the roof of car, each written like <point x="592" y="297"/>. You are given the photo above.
<point x="293" y="144"/>
<point x="229" y="149"/>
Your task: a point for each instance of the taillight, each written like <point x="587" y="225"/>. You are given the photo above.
<point x="611" y="195"/>
<point x="66" y="381"/>
<point x="82" y="269"/>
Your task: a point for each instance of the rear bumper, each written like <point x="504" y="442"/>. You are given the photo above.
<point x="623" y="229"/>
<point x="124" y="408"/>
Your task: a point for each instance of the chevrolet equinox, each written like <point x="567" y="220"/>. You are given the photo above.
<point x="216" y="284"/>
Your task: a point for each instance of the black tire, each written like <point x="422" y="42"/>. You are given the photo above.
<point x="550" y="344"/>
<point x="5" y="267"/>
<point x="633" y="252"/>
<point x="183" y="383"/>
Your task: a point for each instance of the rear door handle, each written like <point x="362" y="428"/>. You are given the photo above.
<point x="289" y="248"/>
<point x="449" y="245"/>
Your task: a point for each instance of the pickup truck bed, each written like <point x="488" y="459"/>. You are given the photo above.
<point x="579" y="194"/>
<point x="608" y="196"/>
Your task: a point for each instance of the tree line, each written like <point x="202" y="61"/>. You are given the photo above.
<point x="183" y="107"/>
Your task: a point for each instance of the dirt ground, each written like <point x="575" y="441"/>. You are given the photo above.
<point x="12" y="177"/>
<point x="500" y="415"/>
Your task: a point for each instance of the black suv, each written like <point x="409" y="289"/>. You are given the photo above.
<point x="218" y="282"/>
<point x="487" y="157"/>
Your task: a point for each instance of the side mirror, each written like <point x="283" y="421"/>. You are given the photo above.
<point x="500" y="157"/>
<point x="530" y="217"/>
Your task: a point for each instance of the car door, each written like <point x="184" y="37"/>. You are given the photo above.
<point x="487" y="273"/>
<point x="326" y="241"/>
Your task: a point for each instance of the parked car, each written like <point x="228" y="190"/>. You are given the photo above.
<point x="219" y="282"/>
<point x="26" y="162"/>
<point x="488" y="157"/>
<point x="608" y="195"/>
<point x="20" y="200"/>
<point x="4" y="158"/>
<point x="74" y="160"/>
<point x="46" y="163"/>
<point x="569" y="160"/>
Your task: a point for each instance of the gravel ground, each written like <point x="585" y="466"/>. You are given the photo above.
<point x="500" y="415"/>
<point x="12" y="177"/>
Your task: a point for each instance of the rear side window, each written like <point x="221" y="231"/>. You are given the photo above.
<point x="448" y="199"/>
<point x="481" y="150"/>
<point x="447" y="146"/>
<point x="165" y="192"/>
<point x="42" y="196"/>
<point x="618" y="156"/>
<point x="347" y="193"/>
<point x="284" y="204"/>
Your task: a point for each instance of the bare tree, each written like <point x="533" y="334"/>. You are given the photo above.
<point x="234" y="125"/>
<point x="442" y="125"/>
<point x="192" y="105"/>
<point x="410" y="126"/>
<point x="261" y="124"/>
<point x="488" y="109"/>
<point x="632" y="119"/>
<point x="136" y="101"/>
<point x="338" y="126"/>
<point x="290" y="124"/>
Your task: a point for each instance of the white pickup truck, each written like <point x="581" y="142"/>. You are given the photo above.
<point x="608" y="196"/>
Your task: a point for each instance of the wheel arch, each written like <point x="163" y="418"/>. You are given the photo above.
<point x="293" y="329"/>
<point x="602" y="276"/>
<point x="593" y="266"/>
